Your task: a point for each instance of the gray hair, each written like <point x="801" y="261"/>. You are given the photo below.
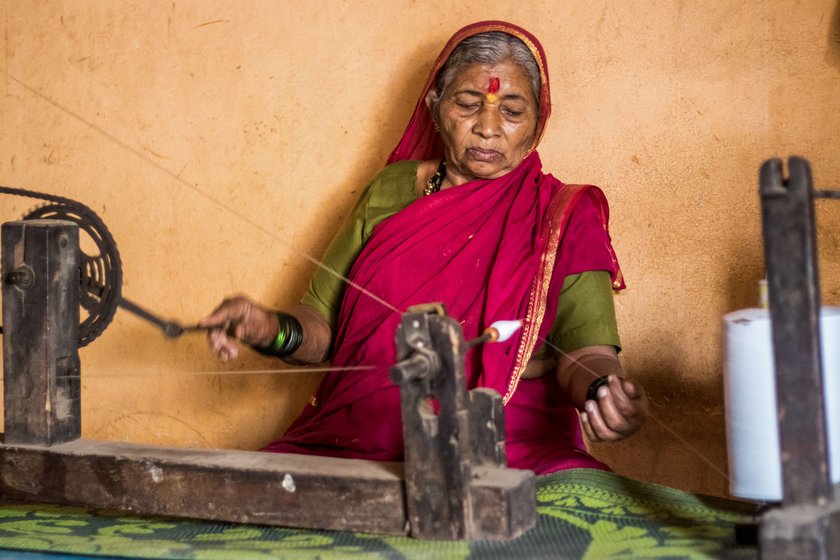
<point x="493" y="47"/>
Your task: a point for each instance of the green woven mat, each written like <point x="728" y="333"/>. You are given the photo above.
<point x="582" y="514"/>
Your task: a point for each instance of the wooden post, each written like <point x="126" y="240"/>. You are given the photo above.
<point x="432" y="390"/>
<point x="806" y="526"/>
<point x="487" y="432"/>
<point x="40" y="264"/>
<point x="457" y="486"/>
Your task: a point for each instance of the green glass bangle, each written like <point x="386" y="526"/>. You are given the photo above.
<point x="279" y="342"/>
<point x="288" y="339"/>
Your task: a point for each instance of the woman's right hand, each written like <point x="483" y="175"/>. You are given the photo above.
<point x="239" y="319"/>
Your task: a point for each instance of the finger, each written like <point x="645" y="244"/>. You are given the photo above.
<point x="215" y="337"/>
<point x="222" y="315"/>
<point x="216" y="340"/>
<point x="230" y="310"/>
<point x="609" y="411"/>
<point x="599" y="427"/>
<point x="587" y="427"/>
<point x="222" y="346"/>
<point x="239" y="331"/>
<point x="639" y="401"/>
<point x="246" y="330"/>
<point x="634" y="390"/>
<point x="624" y="405"/>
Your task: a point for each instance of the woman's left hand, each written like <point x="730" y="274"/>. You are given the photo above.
<point x="620" y="409"/>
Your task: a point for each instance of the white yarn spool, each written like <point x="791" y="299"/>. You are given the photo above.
<point x="750" y="391"/>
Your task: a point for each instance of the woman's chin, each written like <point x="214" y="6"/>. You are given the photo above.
<point x="484" y="170"/>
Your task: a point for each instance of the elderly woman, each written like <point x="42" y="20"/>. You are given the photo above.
<point x="463" y="214"/>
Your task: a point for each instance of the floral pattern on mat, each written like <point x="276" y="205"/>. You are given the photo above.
<point x="582" y="514"/>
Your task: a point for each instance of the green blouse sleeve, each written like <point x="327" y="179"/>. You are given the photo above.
<point x="326" y="287"/>
<point x="585" y="314"/>
<point x="389" y="192"/>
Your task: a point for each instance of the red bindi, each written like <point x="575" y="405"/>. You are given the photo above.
<point x="493" y="87"/>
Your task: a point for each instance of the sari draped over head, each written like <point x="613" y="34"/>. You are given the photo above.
<point x="489" y="250"/>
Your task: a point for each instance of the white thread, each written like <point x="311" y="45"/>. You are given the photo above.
<point x="260" y="228"/>
<point x="195" y="189"/>
<point x="227" y="372"/>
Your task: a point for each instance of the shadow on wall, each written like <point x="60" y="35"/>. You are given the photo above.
<point x="832" y="54"/>
<point x="397" y="106"/>
<point x="683" y="444"/>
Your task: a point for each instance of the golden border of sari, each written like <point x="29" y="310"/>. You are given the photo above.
<point x="558" y="215"/>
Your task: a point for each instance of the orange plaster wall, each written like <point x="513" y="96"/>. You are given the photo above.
<point x="222" y="142"/>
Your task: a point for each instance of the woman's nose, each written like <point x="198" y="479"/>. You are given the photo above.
<point x="488" y="122"/>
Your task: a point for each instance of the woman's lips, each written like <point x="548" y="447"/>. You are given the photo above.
<point x="481" y="154"/>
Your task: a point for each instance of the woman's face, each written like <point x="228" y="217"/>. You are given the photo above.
<point x="487" y="118"/>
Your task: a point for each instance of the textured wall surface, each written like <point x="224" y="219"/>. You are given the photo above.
<point x="223" y="142"/>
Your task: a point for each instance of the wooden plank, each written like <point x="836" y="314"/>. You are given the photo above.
<point x="502" y="503"/>
<point x="236" y="486"/>
<point x="433" y="397"/>
<point x="40" y="261"/>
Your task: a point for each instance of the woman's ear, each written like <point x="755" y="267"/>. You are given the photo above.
<point x="429" y="97"/>
<point x="430" y="104"/>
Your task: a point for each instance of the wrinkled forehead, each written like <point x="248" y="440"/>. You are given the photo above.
<point x="505" y="78"/>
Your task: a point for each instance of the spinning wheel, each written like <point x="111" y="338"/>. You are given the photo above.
<point x="100" y="273"/>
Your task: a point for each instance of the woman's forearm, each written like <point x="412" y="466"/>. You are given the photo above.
<point x="576" y="371"/>
<point x="317" y="337"/>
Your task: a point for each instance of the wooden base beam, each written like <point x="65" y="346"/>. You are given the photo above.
<point x="221" y="485"/>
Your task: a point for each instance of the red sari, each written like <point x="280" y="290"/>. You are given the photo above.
<point x="489" y="250"/>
